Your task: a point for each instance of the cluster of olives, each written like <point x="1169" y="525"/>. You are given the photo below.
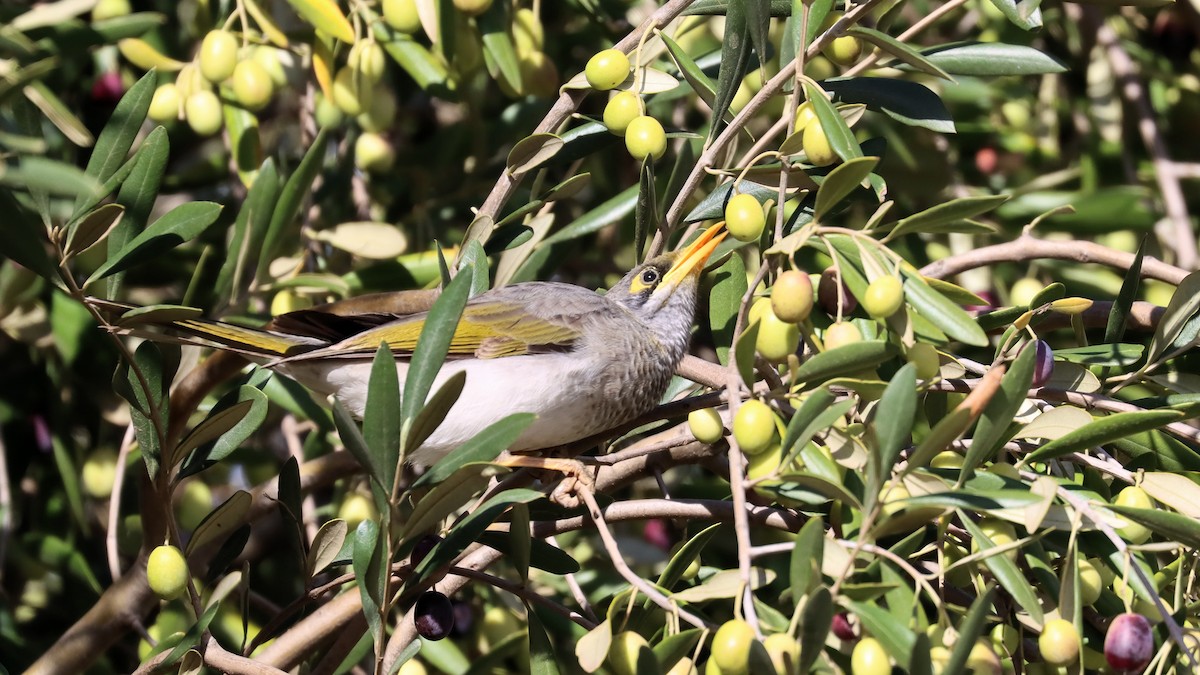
<point x="625" y="113"/>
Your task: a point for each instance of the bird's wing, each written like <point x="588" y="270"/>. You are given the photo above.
<point x="489" y="328"/>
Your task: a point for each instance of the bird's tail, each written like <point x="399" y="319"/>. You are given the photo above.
<point x="186" y="325"/>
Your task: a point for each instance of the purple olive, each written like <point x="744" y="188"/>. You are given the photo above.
<point x="842" y="627"/>
<point x="464" y="618"/>
<point x="434" y="615"/>
<point x="827" y="294"/>
<point x="108" y="88"/>
<point x="1129" y="643"/>
<point x="1043" y="362"/>
<point x="422" y="548"/>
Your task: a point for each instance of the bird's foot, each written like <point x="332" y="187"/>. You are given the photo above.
<point x="575" y="475"/>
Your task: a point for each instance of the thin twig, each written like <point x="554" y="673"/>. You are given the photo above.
<point x="525" y="593"/>
<point x="114" y="506"/>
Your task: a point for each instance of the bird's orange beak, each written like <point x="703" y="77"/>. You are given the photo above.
<point x="692" y="258"/>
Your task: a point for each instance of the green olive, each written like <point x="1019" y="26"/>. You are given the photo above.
<point x="356" y="508"/>
<point x="350" y="92"/>
<point x="706" y="425"/>
<point x="218" y="55"/>
<point x="925" y="358"/>
<point x="366" y="57"/>
<point x="816" y="144"/>
<point x="1135" y="497"/>
<point x="1059" y="642"/>
<point x="644" y="137"/>
<point x="607" y="69"/>
<point x="792" y="296"/>
<point x="784" y="651"/>
<point x="1000" y="532"/>
<point x="884" y="297"/>
<point x="164" y="106"/>
<point x="167" y="572"/>
<point x="528" y="33"/>
<point x="99" y="473"/>
<point x="373" y="153"/>
<point x="754" y="426"/>
<point x="744" y="217"/>
<point x="841" y="334"/>
<point x="252" y="85"/>
<point x="731" y="647"/>
<point x="203" y="112"/>
<point x="844" y="50"/>
<point x="870" y="658"/>
<point x="195" y="503"/>
<point x="624" y="652"/>
<point x="472" y="7"/>
<point x="110" y="9"/>
<point x="777" y="339"/>
<point x="402" y="15"/>
<point x="623" y="108"/>
<point x="805" y="114"/>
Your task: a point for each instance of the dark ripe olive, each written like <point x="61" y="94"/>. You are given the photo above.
<point x="434" y="615"/>
<point x="1129" y="643"/>
<point x="827" y="294"/>
<point x="422" y="548"/>
<point x="842" y="627"/>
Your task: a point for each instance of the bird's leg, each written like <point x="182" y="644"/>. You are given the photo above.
<point x="574" y="471"/>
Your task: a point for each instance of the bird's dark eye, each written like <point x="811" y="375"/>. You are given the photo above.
<point x="649" y="275"/>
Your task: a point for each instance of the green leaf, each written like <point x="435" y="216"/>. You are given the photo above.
<point x="818" y="12"/>
<point x="542" y="658"/>
<point x="841" y="139"/>
<point x="735" y="63"/>
<point x="445" y="498"/>
<point x="691" y="72"/>
<point x="713" y="205"/>
<point x="807" y="558"/>
<point x="433" y="344"/>
<point x="895" y="637"/>
<point x="381" y="424"/>
<point x="531" y="152"/>
<point x="1165" y="524"/>
<point x="371" y="570"/>
<point x="720" y="7"/>
<point x="118" y="135"/>
<point x="816" y="620"/>
<point x="796" y="438"/>
<point x="684" y="557"/>
<point x="905" y="101"/>
<point x="180" y="225"/>
<point x="758" y="21"/>
<point x="743" y="353"/>
<point x="542" y="555"/>
<point x="611" y="211"/>
<point x="325" y="16"/>
<point x="840" y="182"/>
<point x="426" y="69"/>
<point x="1184" y="304"/>
<point x="326" y="546"/>
<point x="941" y="312"/>
<point x="1022" y="13"/>
<point x="672" y="648"/>
<point x="892" y="426"/>
<point x="138" y="194"/>
<point x="1104" y="430"/>
<point x="899" y="50"/>
<point x="50" y="176"/>
<point x="23" y="238"/>
<point x="483" y="447"/>
<point x="353" y="439"/>
<point x="466" y="531"/>
<point x="221" y="521"/>
<point x="1005" y="571"/>
<point x="992" y="59"/>
<point x="291" y="199"/>
<point x="724" y="301"/>
<point x="498" y="50"/>
<point x="1120" y="355"/>
<point x="849" y="358"/>
<point x="945" y="213"/>
<point x="969" y="631"/>
<point x="249" y="231"/>
<point x="434" y="412"/>
<point x="645" y="215"/>
<point x="992" y="431"/>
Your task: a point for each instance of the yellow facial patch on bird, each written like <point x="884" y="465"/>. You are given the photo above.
<point x="647" y="279"/>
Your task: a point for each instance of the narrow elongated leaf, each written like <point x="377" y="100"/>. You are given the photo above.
<point x="118" y="135"/>
<point x="704" y="87"/>
<point x="372" y="573"/>
<point x="182" y="224"/>
<point x="381" y="424"/>
<point x="138" y="194"/>
<point x="713" y="205"/>
<point x="1024" y="15"/>
<point x="433" y="344"/>
<point x="1006" y="572"/>
<point x="895" y="637"/>
<point x="467" y="530"/>
<point x="892" y="424"/>
<point x="435" y="410"/>
<point x="941" y="312"/>
<point x="49" y="176"/>
<point x="542" y="555"/>
<point x="221" y="522"/>
<point x="846" y="359"/>
<point x="947" y="212"/>
<point x="646" y="214"/>
<point x="326" y="546"/>
<point x="816" y="621"/>
<point x="1166" y="524"/>
<point x="720" y="7"/>
<point x="818" y="12"/>
<point x="444" y="499"/>
<point x="841" y="139"/>
<point x="499" y="51"/>
<point x="1104" y="430"/>
<point x="93" y="228"/>
<point x="900" y="51"/>
<point x="903" y="100"/>
<point x="724" y="301"/>
<point x="532" y="151"/>
<point x="672" y="648"/>
<point x="353" y="439"/>
<point x="607" y="213"/>
<point x="1183" y="306"/>
<point x="325" y="16"/>
<point x="758" y="21"/>
<point x="798" y="444"/>
<point x="807" y="558"/>
<point x="542" y="658"/>
<point x="291" y="198"/>
<point x="684" y="557"/>
<point x="248" y="233"/>
<point x="483" y="447"/>
<point x="425" y="68"/>
<point x="735" y="62"/>
<point x="969" y="631"/>
<point x="991" y="433"/>
<point x="23" y="238"/>
<point x="992" y="59"/>
<point x="840" y="182"/>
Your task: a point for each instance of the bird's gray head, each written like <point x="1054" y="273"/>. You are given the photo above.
<point x="662" y="290"/>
